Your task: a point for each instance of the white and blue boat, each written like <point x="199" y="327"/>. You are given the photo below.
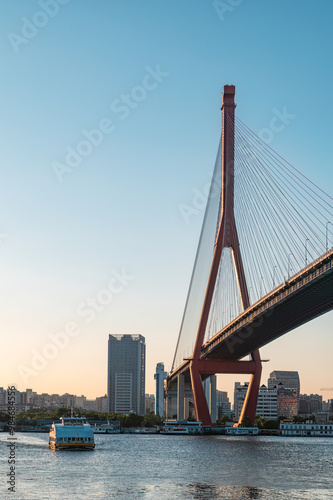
<point x="73" y="433"/>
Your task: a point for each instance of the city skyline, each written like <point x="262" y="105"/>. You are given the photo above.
<point x="54" y="400"/>
<point x="106" y="143"/>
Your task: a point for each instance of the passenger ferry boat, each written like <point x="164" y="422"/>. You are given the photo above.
<point x="73" y="433"/>
<point x="109" y="428"/>
<point x="242" y="431"/>
<point x="181" y="427"/>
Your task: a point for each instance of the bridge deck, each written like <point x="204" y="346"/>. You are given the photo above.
<point x="305" y="296"/>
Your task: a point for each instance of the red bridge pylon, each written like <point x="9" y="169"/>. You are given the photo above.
<point x="226" y="238"/>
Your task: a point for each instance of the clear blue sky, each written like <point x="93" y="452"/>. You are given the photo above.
<point x="119" y="207"/>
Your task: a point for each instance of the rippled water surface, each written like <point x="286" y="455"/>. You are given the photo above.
<point x="131" y="467"/>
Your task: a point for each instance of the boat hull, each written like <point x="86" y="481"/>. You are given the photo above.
<point x="173" y="428"/>
<point x="71" y="446"/>
<point x="242" y="431"/>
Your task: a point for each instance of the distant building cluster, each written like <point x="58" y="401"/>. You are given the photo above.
<point x="281" y="398"/>
<point x="278" y="399"/>
<point x="30" y="400"/>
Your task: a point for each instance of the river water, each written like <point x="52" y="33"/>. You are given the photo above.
<point x="139" y="466"/>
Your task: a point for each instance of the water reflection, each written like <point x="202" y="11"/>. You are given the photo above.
<point x="202" y="491"/>
<point x="142" y="467"/>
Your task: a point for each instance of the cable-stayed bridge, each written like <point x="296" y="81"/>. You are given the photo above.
<point x="264" y="264"/>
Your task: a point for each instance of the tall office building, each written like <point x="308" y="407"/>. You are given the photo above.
<point x="159" y="376"/>
<point x="290" y="380"/>
<point x="126" y="374"/>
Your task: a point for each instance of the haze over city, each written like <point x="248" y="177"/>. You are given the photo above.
<point x="99" y="237"/>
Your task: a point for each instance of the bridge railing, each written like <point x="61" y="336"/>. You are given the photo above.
<point x="295" y="282"/>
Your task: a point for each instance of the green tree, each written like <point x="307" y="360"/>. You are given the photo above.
<point x="133" y="420"/>
<point x="271" y="424"/>
<point x="312" y="418"/>
<point x="151" y="419"/>
<point x="61" y="412"/>
<point x="223" y="420"/>
<point x="297" y="419"/>
<point x="246" y="422"/>
<point x="3" y="416"/>
<point x="260" y="421"/>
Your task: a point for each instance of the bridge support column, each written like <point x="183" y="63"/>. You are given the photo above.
<point x="200" y="401"/>
<point x="226" y="237"/>
<point x="180" y="397"/>
<point x="213" y="398"/>
<point x="251" y="399"/>
<point x="210" y="391"/>
<point x="168" y="409"/>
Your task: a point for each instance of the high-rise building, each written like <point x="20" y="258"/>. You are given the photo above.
<point x="102" y="404"/>
<point x="126" y="374"/>
<point x="309" y="404"/>
<point x="289" y="380"/>
<point x="266" y="405"/>
<point x="239" y="397"/>
<point x="160" y="376"/>
<point x="149" y="403"/>
<point x="287" y="402"/>
<point x="3" y="394"/>
<point x="28" y="395"/>
<point x="223" y="404"/>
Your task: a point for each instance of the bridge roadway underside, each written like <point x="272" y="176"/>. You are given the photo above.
<point x="303" y="298"/>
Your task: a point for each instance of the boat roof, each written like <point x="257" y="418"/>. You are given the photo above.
<point x="73" y="420"/>
<point x="69" y="431"/>
<point x="73" y="426"/>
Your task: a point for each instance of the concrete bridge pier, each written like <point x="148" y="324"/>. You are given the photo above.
<point x="180" y="397"/>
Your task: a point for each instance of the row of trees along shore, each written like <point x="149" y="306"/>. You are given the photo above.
<point x="31" y="417"/>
